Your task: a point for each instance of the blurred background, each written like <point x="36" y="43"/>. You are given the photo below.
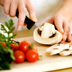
<point x="44" y="10"/>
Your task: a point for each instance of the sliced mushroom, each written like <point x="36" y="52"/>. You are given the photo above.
<point x="65" y="52"/>
<point x="59" y="49"/>
<point x="47" y="35"/>
<point x="70" y="48"/>
<point x="52" y="50"/>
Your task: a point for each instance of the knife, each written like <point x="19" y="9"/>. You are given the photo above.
<point x="29" y="22"/>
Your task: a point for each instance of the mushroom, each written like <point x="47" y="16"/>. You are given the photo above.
<point x="62" y="49"/>
<point x="66" y="52"/>
<point x="47" y="34"/>
<point x="70" y="48"/>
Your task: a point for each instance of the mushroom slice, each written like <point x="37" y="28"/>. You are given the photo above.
<point x="49" y="50"/>
<point x="70" y="48"/>
<point x="65" y="52"/>
<point x="57" y="48"/>
<point x="54" y="51"/>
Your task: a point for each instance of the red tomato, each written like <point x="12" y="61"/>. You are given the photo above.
<point x="23" y="46"/>
<point x="4" y="44"/>
<point x="32" y="55"/>
<point x="14" y="47"/>
<point x="19" y="56"/>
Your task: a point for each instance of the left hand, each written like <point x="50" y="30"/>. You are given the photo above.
<point x="62" y="26"/>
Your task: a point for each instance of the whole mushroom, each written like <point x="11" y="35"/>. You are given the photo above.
<point x="47" y="34"/>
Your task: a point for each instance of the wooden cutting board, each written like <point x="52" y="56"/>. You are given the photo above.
<point x="48" y="63"/>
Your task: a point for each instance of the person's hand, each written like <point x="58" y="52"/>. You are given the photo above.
<point x="62" y="26"/>
<point x="10" y="7"/>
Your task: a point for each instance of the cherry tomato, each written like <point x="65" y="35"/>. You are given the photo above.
<point x="4" y="44"/>
<point x="32" y="55"/>
<point x="19" y="56"/>
<point x="14" y="47"/>
<point x="23" y="46"/>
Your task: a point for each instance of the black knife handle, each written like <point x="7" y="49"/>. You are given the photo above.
<point x="28" y="21"/>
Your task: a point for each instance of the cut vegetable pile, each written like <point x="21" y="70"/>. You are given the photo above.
<point x="11" y="50"/>
<point x="60" y="49"/>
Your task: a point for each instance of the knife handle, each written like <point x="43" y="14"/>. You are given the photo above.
<point x="28" y="21"/>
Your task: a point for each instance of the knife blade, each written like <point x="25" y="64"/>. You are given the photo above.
<point x="29" y="22"/>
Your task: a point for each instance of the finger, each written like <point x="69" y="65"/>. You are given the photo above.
<point x="1" y="2"/>
<point x="48" y="21"/>
<point x="13" y="8"/>
<point x="66" y="30"/>
<point x="6" y="6"/>
<point x="31" y="11"/>
<point x="59" y="25"/>
<point x="21" y="17"/>
<point x="69" y="37"/>
<point x="62" y="41"/>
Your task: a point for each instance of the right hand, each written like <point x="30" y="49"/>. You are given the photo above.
<point x="10" y="7"/>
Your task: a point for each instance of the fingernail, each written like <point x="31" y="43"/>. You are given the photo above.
<point x="62" y="42"/>
<point x="19" y="27"/>
<point x="33" y="17"/>
<point x="65" y="37"/>
<point x="69" y="38"/>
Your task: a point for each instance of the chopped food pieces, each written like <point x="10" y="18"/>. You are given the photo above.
<point x="60" y="49"/>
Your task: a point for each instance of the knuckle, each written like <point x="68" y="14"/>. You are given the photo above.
<point x="22" y="10"/>
<point x="32" y="9"/>
<point x="6" y="11"/>
<point x="6" y="1"/>
<point x="21" y="22"/>
<point x="57" y="15"/>
<point x="68" y="26"/>
<point x="11" y="15"/>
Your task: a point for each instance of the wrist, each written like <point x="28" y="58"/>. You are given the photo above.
<point x="66" y="11"/>
<point x="68" y="17"/>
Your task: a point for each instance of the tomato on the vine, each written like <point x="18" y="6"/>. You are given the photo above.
<point x="32" y="55"/>
<point x="23" y="46"/>
<point x="19" y="56"/>
<point x="14" y="47"/>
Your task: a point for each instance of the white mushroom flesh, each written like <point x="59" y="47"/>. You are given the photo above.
<point x="47" y="30"/>
<point x="44" y="35"/>
<point x="61" y="49"/>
